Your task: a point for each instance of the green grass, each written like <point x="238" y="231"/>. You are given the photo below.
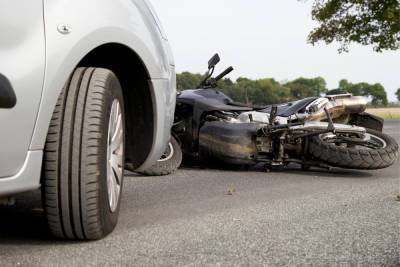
<point x="389" y="116"/>
<point x="392" y="113"/>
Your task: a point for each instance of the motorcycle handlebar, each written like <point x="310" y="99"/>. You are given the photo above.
<point x="223" y="74"/>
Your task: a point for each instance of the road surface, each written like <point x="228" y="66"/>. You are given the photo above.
<point x="220" y="217"/>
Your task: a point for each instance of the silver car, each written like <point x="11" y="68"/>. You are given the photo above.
<point x="86" y="88"/>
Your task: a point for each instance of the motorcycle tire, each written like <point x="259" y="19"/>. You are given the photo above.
<point x="169" y="162"/>
<point x="355" y="157"/>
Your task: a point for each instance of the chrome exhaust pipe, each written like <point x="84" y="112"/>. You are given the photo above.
<point x="338" y="106"/>
<point x="321" y="126"/>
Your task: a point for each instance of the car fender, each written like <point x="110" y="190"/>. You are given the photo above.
<point x="127" y="24"/>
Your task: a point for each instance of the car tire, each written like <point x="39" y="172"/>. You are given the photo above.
<point x="84" y="155"/>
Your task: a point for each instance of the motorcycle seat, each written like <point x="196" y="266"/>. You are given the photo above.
<point x="291" y="108"/>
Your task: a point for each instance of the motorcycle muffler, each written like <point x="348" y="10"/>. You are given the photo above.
<point x="338" y="106"/>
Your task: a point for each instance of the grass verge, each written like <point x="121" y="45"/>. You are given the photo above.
<point x="386" y="113"/>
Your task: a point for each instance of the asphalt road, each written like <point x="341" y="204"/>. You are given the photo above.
<point x="280" y="218"/>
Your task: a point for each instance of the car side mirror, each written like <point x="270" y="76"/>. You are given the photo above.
<point x="213" y="61"/>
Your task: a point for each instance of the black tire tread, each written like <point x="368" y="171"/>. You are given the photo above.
<point x="162" y="168"/>
<point x="71" y="158"/>
<point x="351" y="158"/>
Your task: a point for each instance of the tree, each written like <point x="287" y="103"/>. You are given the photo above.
<point x="187" y="80"/>
<point x="376" y="92"/>
<point x="269" y="91"/>
<point x="303" y="87"/>
<point x="368" y="22"/>
<point x="398" y="94"/>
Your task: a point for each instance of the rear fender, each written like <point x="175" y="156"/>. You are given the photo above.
<point x="367" y="120"/>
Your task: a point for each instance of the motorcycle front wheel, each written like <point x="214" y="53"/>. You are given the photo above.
<point x="375" y="151"/>
<point x="169" y="162"/>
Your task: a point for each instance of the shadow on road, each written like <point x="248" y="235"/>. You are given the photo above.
<point x="25" y="222"/>
<point x="291" y="169"/>
<point x="333" y="173"/>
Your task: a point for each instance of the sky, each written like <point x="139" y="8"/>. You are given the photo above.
<point x="267" y="39"/>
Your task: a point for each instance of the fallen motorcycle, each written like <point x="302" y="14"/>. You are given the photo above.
<point x="330" y="131"/>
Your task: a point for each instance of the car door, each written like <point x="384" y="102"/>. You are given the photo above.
<point x="22" y="61"/>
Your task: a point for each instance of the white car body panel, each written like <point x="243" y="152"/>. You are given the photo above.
<point x="92" y="23"/>
<point x="22" y="61"/>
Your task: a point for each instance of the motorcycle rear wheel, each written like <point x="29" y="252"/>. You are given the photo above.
<point x="362" y="157"/>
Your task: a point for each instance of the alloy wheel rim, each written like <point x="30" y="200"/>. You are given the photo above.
<point x="371" y="138"/>
<point x="115" y="151"/>
<point x="371" y="141"/>
<point x="168" y="153"/>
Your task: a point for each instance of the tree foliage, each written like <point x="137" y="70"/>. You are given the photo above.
<point x="367" y="22"/>
<point x="269" y="91"/>
<point x="398" y="94"/>
<point x="375" y="92"/>
<point x="302" y="87"/>
<point x="188" y="80"/>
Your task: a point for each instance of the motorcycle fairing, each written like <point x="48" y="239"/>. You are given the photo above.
<point x="232" y="143"/>
<point x="203" y="101"/>
<point x="209" y="100"/>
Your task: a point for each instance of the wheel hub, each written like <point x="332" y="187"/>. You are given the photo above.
<point x="115" y="151"/>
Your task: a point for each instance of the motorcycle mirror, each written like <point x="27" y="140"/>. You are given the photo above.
<point x="213" y="61"/>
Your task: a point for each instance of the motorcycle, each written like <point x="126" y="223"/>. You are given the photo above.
<point x="325" y="132"/>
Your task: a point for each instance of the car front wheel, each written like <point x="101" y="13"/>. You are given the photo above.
<point x="169" y="162"/>
<point x="84" y="157"/>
